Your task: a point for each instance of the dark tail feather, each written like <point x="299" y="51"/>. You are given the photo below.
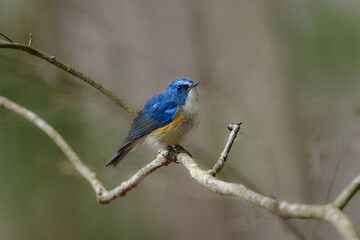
<point x="119" y="155"/>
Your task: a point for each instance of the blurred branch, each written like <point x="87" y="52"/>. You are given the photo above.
<point x="30" y="39"/>
<point x="103" y="195"/>
<point x="346" y="195"/>
<point x="6" y="37"/>
<point x="69" y="69"/>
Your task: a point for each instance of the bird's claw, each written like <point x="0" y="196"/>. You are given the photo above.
<point x="173" y="151"/>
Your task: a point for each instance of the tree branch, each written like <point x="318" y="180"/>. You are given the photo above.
<point x="102" y="194"/>
<point x="126" y="186"/>
<point x="6" y="37"/>
<point x="234" y="128"/>
<point x="69" y="69"/>
<point x="331" y="213"/>
<point x="342" y="200"/>
<point x="324" y="212"/>
<point x="30" y="39"/>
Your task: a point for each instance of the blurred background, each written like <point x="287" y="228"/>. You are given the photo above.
<point x="289" y="70"/>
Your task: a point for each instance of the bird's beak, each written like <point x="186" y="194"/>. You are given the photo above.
<point x="194" y="84"/>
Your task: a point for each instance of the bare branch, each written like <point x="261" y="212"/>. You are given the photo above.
<point x="234" y="128"/>
<point x="329" y="213"/>
<point x="345" y="196"/>
<point x="72" y="71"/>
<point x="6" y="37"/>
<point x="57" y="138"/>
<point x="30" y="39"/>
<point x="324" y="212"/>
<point x="103" y="195"/>
<point x="126" y="186"/>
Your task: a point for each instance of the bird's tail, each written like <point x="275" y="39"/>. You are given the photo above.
<point x="119" y="154"/>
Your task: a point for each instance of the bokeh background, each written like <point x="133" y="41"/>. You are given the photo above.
<point x="289" y="70"/>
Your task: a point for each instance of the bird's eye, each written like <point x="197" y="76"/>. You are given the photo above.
<point x="179" y="88"/>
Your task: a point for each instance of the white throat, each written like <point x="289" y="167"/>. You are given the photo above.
<point x="191" y="105"/>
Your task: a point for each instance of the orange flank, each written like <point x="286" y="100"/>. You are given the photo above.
<point x="175" y="120"/>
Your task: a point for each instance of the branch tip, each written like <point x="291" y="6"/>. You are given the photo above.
<point x="234" y="128"/>
<point x="30" y="39"/>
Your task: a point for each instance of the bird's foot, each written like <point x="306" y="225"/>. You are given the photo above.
<point x="173" y="151"/>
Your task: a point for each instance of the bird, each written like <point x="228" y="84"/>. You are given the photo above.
<point x="167" y="118"/>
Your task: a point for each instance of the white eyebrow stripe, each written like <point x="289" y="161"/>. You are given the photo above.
<point x="182" y="82"/>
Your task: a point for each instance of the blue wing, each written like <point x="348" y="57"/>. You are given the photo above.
<point x="156" y="113"/>
<point x="150" y="119"/>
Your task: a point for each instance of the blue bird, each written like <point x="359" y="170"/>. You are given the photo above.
<point x="166" y="119"/>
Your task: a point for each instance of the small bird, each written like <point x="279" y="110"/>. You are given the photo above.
<point x="166" y="119"/>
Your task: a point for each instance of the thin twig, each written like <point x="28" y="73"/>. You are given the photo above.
<point x="345" y="196"/>
<point x="72" y="71"/>
<point x="339" y="152"/>
<point x="30" y="39"/>
<point x="234" y="128"/>
<point x="6" y="37"/>
<point x="103" y="195"/>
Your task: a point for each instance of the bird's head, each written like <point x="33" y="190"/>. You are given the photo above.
<point x="180" y="88"/>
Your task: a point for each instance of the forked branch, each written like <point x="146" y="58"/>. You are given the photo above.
<point x="326" y="213"/>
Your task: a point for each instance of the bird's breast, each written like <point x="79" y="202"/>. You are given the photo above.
<point x="182" y="126"/>
<point x="191" y="107"/>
